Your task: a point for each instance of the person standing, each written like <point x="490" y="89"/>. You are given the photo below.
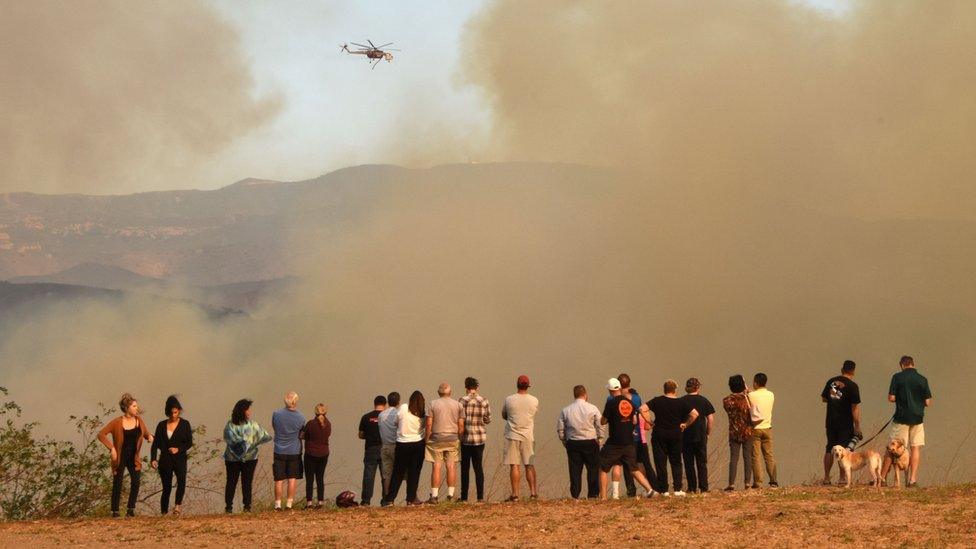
<point x="909" y="391"/>
<point x="640" y="441"/>
<point x="316" y="435"/>
<point x="519" y="414"/>
<point x="672" y="416"/>
<point x="369" y="431"/>
<point x="694" y="445"/>
<point x="127" y="432"/>
<point x="741" y="433"/>
<point x="843" y="421"/>
<point x="408" y="460"/>
<point x="387" y="423"/>
<point x="578" y="427"/>
<point x="620" y="416"/>
<point x="762" y="438"/>
<point x="243" y="436"/>
<point x="477" y="415"/>
<point x="445" y="424"/>
<point x="173" y="438"/>
<point x="287" y="424"/>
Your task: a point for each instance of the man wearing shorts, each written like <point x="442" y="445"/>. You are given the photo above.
<point x="445" y="423"/>
<point x="519" y="414"/>
<point x="287" y="423"/>
<point x="388" y="433"/>
<point x="909" y="390"/>
<point x="620" y="416"/>
<point x="843" y="399"/>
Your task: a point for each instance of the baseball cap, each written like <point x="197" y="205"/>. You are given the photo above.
<point x="613" y="384"/>
<point x="523" y="380"/>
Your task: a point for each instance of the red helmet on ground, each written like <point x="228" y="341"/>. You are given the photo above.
<point x="346" y="499"/>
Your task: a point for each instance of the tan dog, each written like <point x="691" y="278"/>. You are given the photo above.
<point x="849" y="461"/>
<point x="899" y="459"/>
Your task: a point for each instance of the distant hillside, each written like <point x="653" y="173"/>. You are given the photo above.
<point x="96" y="276"/>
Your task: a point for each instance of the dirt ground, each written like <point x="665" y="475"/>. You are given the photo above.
<point x="798" y="516"/>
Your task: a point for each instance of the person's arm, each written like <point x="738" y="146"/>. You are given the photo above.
<point x="561" y="427"/>
<point x="600" y="438"/>
<point x="487" y="417"/>
<point x="154" y="449"/>
<point x="928" y="394"/>
<point x="188" y="439"/>
<point x="892" y="389"/>
<point x="645" y="412"/>
<point x="891" y="398"/>
<point x="103" y="438"/>
<point x="233" y="439"/>
<point x="709" y="419"/>
<point x="691" y="419"/>
<point x="430" y="426"/>
<point x="460" y="423"/>
<point x="505" y="411"/>
<point x="263" y="435"/>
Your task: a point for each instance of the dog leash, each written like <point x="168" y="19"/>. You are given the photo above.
<point x="881" y="430"/>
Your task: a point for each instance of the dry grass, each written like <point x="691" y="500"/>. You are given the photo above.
<point x="808" y="516"/>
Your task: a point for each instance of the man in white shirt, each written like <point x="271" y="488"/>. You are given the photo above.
<point x="519" y="415"/>
<point x="388" y="434"/>
<point x="579" y="429"/>
<point x="762" y="442"/>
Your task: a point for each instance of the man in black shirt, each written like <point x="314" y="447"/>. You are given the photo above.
<point x="369" y="430"/>
<point x="695" y="441"/>
<point x="620" y="417"/>
<point x="672" y="416"/>
<point x="843" y="422"/>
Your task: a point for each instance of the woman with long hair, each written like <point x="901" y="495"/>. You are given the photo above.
<point x="172" y="440"/>
<point x="316" y="434"/>
<point x="243" y="436"/>
<point x="127" y="432"/>
<point x="740" y="430"/>
<point x="408" y="458"/>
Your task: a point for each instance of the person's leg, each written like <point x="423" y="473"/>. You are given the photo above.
<point x="371" y="459"/>
<point x="279" y="489"/>
<point x="320" y="479"/>
<point x="515" y="476"/>
<point x="134" y="477"/>
<point x="674" y="458"/>
<point x="628" y="475"/>
<point x="531" y="478"/>
<point x="914" y="458"/>
<point x="660" y="463"/>
<point x="466" y="452"/>
<point x="591" y="458"/>
<point x="399" y="472"/>
<point x="452" y="461"/>
<point x="166" y="487"/>
<point x="574" y="458"/>
<point x="233" y="473"/>
<point x="734" y="448"/>
<point x="117" y="490"/>
<point x="701" y="460"/>
<point x="247" y="482"/>
<point x="417" y="465"/>
<point x="757" y="458"/>
<point x="477" y="460"/>
<point x="828" y="464"/>
<point x="386" y="466"/>
<point x="688" y="456"/>
<point x="604" y="480"/>
<point x="292" y="489"/>
<point x="748" y="463"/>
<point x="309" y="479"/>
<point x="645" y="460"/>
<point x="180" y="471"/>
<point x="767" y="449"/>
<point x="435" y="474"/>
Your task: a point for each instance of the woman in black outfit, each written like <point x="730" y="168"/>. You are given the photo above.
<point x="316" y="435"/>
<point x="173" y="439"/>
<point x="408" y="459"/>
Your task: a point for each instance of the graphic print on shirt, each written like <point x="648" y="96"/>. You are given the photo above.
<point x="837" y="389"/>
<point x="626" y="409"/>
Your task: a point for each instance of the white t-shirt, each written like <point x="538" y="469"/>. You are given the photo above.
<point x="519" y="413"/>
<point x="763" y="400"/>
<point x="409" y="428"/>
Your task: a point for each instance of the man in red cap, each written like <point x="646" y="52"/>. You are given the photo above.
<point x="519" y="415"/>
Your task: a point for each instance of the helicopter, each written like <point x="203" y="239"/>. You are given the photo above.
<point x="372" y="52"/>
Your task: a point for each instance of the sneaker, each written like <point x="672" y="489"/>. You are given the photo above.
<point x="414" y="503"/>
<point x="130" y="512"/>
<point x="679" y="494"/>
<point x="432" y="500"/>
<point x="384" y="503"/>
<point x="774" y="485"/>
<point x="449" y="499"/>
<point x="730" y="488"/>
<point x="912" y="485"/>
<point x="534" y="497"/>
<point x="755" y="487"/>
<point x="512" y="499"/>
<point x="228" y="511"/>
<point x="247" y="509"/>
<point x="277" y="509"/>
<point x="666" y="494"/>
<point x="115" y="514"/>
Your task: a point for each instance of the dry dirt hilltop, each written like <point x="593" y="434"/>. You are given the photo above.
<point x="801" y="516"/>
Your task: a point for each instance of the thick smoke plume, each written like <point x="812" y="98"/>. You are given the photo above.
<point x="114" y="96"/>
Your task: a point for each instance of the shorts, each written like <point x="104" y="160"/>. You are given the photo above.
<point x="519" y="452"/>
<point x="287" y="466"/>
<point x="386" y="460"/>
<point x="447" y="451"/>
<point x="838" y="437"/>
<point x="618" y="454"/>
<point x="910" y="435"/>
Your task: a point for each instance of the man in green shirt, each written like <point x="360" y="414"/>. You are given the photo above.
<point x="909" y="390"/>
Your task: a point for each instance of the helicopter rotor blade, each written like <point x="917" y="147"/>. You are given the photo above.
<point x="384" y="45"/>
<point x="392" y="49"/>
<point x="371" y="44"/>
<point x="360" y="45"/>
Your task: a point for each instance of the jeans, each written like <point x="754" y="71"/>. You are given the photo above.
<point x="408" y="461"/>
<point x="126" y="465"/>
<point x="667" y="449"/>
<point x="315" y="476"/>
<point x="176" y="466"/>
<point x="695" y="455"/>
<point x="471" y="456"/>
<point x="746" y="447"/>
<point x="371" y="462"/>
<point x="243" y="470"/>
<point x="762" y="451"/>
<point x="580" y="453"/>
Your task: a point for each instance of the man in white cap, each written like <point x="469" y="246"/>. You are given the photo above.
<point x="620" y="417"/>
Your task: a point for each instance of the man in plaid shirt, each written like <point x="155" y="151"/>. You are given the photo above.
<point x="477" y="414"/>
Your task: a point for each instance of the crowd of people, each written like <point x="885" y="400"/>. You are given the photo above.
<point x="630" y="439"/>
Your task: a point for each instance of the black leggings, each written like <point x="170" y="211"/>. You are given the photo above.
<point x="176" y="466"/>
<point x="245" y="471"/>
<point x="133" y="485"/>
<point x="471" y="456"/>
<point x="408" y="461"/>
<point x="315" y="475"/>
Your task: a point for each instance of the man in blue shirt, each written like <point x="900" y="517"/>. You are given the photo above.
<point x="287" y="424"/>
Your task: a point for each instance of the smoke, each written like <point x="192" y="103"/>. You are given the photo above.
<point x="113" y="96"/>
<point x="780" y="190"/>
